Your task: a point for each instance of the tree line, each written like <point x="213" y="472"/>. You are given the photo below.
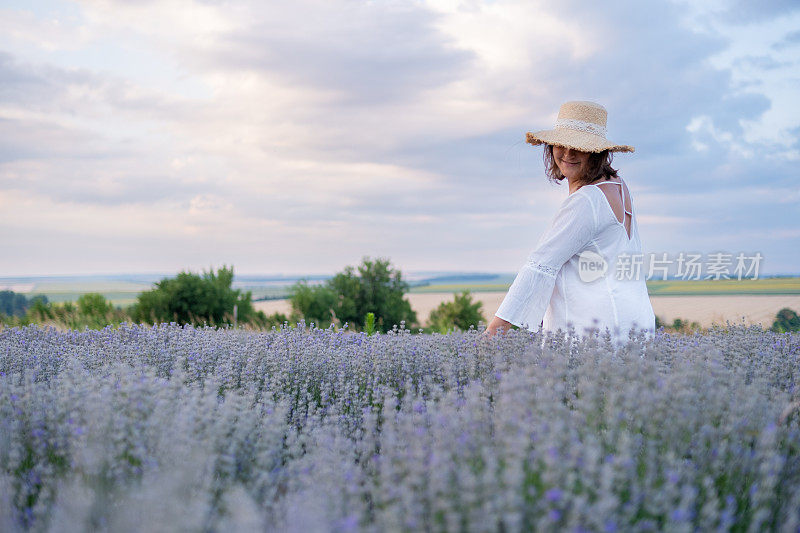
<point x="374" y="289"/>
<point x="369" y="298"/>
<point x="188" y="298"/>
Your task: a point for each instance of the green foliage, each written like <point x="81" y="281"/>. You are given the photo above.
<point x="93" y="304"/>
<point x="369" y="324"/>
<point x="678" y="325"/>
<point x="41" y="298"/>
<point x="376" y="288"/>
<point x="261" y="321"/>
<point x="186" y="299"/>
<point x="40" y="310"/>
<point x="350" y="295"/>
<point x="315" y="303"/>
<point x="786" y="320"/>
<point x="684" y="326"/>
<point x="14" y="307"/>
<point x="461" y="313"/>
<point x="92" y="310"/>
<point x="13" y="304"/>
<point x="196" y="299"/>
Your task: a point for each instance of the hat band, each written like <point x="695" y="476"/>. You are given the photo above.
<point x="580" y="125"/>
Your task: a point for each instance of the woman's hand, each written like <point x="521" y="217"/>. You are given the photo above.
<point x="496" y="324"/>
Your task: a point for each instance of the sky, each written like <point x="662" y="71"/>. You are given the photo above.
<point x="300" y="137"/>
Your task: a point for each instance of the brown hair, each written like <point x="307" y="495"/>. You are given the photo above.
<point x="598" y="167"/>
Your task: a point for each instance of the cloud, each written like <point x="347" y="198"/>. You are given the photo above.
<point x="59" y="29"/>
<point x="82" y="137"/>
<point x="32" y="87"/>
<point x="361" y="53"/>
<point x="746" y="12"/>
<point x="38" y="139"/>
<point x="762" y="62"/>
<point x="791" y="40"/>
<point x="315" y="132"/>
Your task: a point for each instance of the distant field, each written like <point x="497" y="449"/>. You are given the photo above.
<point x="123" y="292"/>
<point x="703" y="309"/>
<point x="477" y="287"/>
<point x="268" y="293"/>
<point x="116" y="298"/>
<point x="703" y="301"/>
<point x="118" y="292"/>
<point x="719" y="308"/>
<point x="81" y="287"/>
<point x="767" y="286"/>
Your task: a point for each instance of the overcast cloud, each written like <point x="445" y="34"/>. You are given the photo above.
<point x="299" y="137"/>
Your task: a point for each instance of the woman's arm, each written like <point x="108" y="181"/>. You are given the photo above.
<point x="496" y="324"/>
<point x="573" y="227"/>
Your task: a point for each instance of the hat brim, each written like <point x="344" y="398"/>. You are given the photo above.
<point x="577" y="140"/>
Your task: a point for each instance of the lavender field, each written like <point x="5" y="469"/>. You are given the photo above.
<point x="170" y="428"/>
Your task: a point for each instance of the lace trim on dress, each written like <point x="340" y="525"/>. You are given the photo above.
<point x="544" y="269"/>
<point x="580" y="125"/>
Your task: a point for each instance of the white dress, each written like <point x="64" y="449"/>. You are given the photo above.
<point x="563" y="284"/>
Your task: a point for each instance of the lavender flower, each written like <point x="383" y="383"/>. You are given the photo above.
<point x="170" y="427"/>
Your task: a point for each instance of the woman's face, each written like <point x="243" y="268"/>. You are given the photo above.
<point x="571" y="163"/>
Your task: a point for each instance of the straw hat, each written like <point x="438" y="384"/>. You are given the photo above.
<point x="580" y="125"/>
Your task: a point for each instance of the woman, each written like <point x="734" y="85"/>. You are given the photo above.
<point x="583" y="272"/>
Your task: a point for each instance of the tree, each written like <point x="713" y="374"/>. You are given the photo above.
<point x="315" y="304"/>
<point x="377" y="289"/>
<point x="461" y="313"/>
<point x="13" y="304"/>
<point x="93" y="304"/>
<point x="40" y="298"/>
<point x="350" y="295"/>
<point x="193" y="299"/>
<point x="95" y="311"/>
<point x="786" y="320"/>
<point x="40" y="310"/>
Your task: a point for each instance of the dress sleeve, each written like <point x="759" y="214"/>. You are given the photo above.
<point x="574" y="226"/>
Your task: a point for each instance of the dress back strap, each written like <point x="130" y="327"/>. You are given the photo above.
<point x="621" y="193"/>
<point x="622" y="188"/>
